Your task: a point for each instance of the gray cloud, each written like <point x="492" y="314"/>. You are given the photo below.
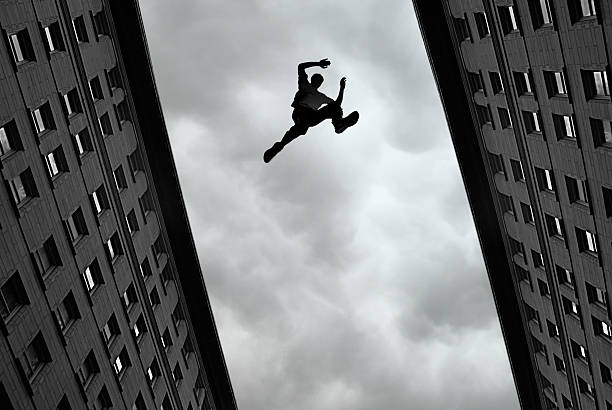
<point x="345" y="274"/>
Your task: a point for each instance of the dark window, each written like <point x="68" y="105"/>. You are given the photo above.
<point x="527" y="212"/>
<point x="555" y="83"/>
<point x="12" y="296"/>
<point x="496" y="163"/>
<point x="5" y="399"/>
<point x="543" y="287"/>
<point x="120" y="180"/>
<point x="43" y="118"/>
<point x="72" y="102"/>
<point x="496" y="82"/>
<point x="100" y="24"/>
<point x="577" y="190"/>
<point x="607" y="197"/>
<point x="596" y="295"/>
<point x="579" y="351"/>
<point x="522" y="274"/>
<point x="567" y="403"/>
<point x="158" y="247"/>
<point x="555" y="226"/>
<point x="99" y="200"/>
<point x="36" y="355"/>
<point x="564" y="276"/>
<point x="481" y="25"/>
<point x="517" y="170"/>
<point x="602" y="132"/>
<point x="104" y="400"/>
<point x="80" y="31"/>
<point x="89" y="368"/>
<point x="187" y="349"/>
<point x="595" y="84"/>
<point x="145" y="268"/>
<point x="113" y="247"/>
<point x="587" y="242"/>
<point x="177" y="315"/>
<point x="602" y="328"/>
<point x="82" y="142"/>
<point x="506" y="203"/>
<point x="516" y="247"/>
<point x="47" y="257"/>
<point x="96" y="89"/>
<point x="139" y="404"/>
<point x="136" y="162"/>
<point x="110" y="330"/>
<point x="154" y="297"/>
<point x="546" y="181"/>
<point x="523" y="82"/>
<point x="532" y="122"/>
<point x="504" y="118"/>
<point x="553" y="330"/>
<point x="177" y="374"/>
<point x="539" y="347"/>
<point x="139" y="327"/>
<point x="146" y="202"/>
<point x="76" y="225"/>
<point x="166" y="339"/>
<point x="53" y="36"/>
<point x="129" y="297"/>
<point x="537" y="259"/>
<point x="509" y="22"/>
<point x="23" y="187"/>
<point x="9" y="138"/>
<point x="166" y="274"/>
<point x="105" y="125"/>
<point x="606" y="374"/>
<point x="559" y="364"/>
<point x="570" y="307"/>
<point x="153" y="372"/>
<point x="585" y="387"/>
<point x="564" y="127"/>
<point x="56" y="162"/>
<point x="540" y="13"/>
<point x="475" y="82"/>
<point x="484" y="114"/>
<point x="123" y="112"/>
<point x="114" y="78"/>
<point x="581" y="9"/>
<point x="462" y="29"/>
<point x="21" y="46"/>
<point x="67" y="311"/>
<point x="92" y="276"/>
<point x="122" y="362"/>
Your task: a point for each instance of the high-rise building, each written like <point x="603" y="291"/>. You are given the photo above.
<point x="102" y="301"/>
<point x="525" y="89"/>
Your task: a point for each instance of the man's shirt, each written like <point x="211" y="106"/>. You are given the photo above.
<point x="307" y="96"/>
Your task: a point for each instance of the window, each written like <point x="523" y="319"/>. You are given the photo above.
<point x="113" y="247"/>
<point x="516" y="247"/>
<point x="527" y="212"/>
<point x="539" y="347"/>
<point x="99" y="200"/>
<point x="114" y="78"/>
<point x="121" y="362"/>
<point x="538" y="261"/>
<point x="532" y="122"/>
<point x="80" y="31"/>
<point x="92" y="276"/>
<point x="595" y="84"/>
<point x="506" y="203"/>
<point x="553" y="330"/>
<point x="570" y="307"/>
<point x="153" y="372"/>
<point x="543" y="288"/>
<point x="531" y="313"/>
<point x="136" y="162"/>
<point x="146" y="202"/>
<point x="158" y="247"/>
<point x="56" y="162"/>
<point x="100" y="24"/>
<point x="139" y="327"/>
<point x="82" y="142"/>
<point x="166" y="339"/>
<point x="567" y="403"/>
<point x="602" y="329"/>
<point x="166" y="274"/>
<point x="508" y="19"/>
<point x="47" y="257"/>
<point x="72" y="102"/>
<point x="579" y="351"/>
<point x="154" y="297"/>
<point x="545" y="180"/>
<point x="523" y="82"/>
<point x="104" y="400"/>
<point x="12" y="296"/>
<point x="580" y="9"/>
<point x="564" y="276"/>
<point x="555" y="226"/>
<point x="96" y="89"/>
<point x="120" y="180"/>
<point x="606" y="374"/>
<point x="496" y="163"/>
<point x="522" y="274"/>
<point x="540" y="13"/>
<point x="475" y="82"/>
<point x="9" y="138"/>
<point x="462" y="29"/>
<point x="187" y="349"/>
<point x="177" y="316"/>
<point x="504" y="118"/>
<point x="43" y="118"/>
<point x="587" y="242"/>
<point x="110" y="330"/>
<point x="177" y="374"/>
<point x="129" y="297"/>
<point x="21" y="47"/>
<point x="481" y="24"/>
<point x="602" y="132"/>
<point x="67" y="312"/>
<point x="123" y="112"/>
<point x="35" y="356"/>
<point x="76" y="225"/>
<point x="607" y="197"/>
<point x="166" y="403"/>
<point x="564" y="127"/>
<point x="577" y="190"/>
<point x="139" y="404"/>
<point x="53" y="37"/>
<point x="559" y="364"/>
<point x="145" y="268"/>
<point x="483" y="114"/>
<point x="517" y="170"/>
<point x="496" y="82"/>
<point x="105" y="125"/>
<point x="555" y="83"/>
<point x="596" y="295"/>
<point x="23" y="187"/>
<point x="199" y="390"/>
<point x="88" y="369"/>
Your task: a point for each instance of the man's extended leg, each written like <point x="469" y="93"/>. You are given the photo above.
<point x="290" y="135"/>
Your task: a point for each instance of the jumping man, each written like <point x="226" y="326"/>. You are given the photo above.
<point x="306" y="111"/>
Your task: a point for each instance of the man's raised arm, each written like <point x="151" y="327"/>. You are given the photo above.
<point x="303" y="66"/>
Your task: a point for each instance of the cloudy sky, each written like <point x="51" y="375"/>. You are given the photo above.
<point x="345" y="274"/>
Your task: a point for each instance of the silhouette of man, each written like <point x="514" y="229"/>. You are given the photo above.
<point x="307" y="110"/>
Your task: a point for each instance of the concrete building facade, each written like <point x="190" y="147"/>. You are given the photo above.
<point x="102" y="299"/>
<point x="525" y="88"/>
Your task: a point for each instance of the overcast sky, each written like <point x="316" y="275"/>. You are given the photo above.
<point x="345" y="274"/>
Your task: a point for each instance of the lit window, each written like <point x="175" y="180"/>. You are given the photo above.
<point x="139" y="327"/>
<point x="76" y="225"/>
<point x="12" y="296"/>
<point x="21" y="47"/>
<point x="585" y="387"/>
<point x="602" y="132"/>
<point x="580" y="9"/>
<point x="523" y="82"/>
<point x="565" y="277"/>
<point x="9" y="138"/>
<point x="99" y="200"/>
<point x="166" y="339"/>
<point x="553" y="330"/>
<point x="538" y="260"/>
<point x="121" y="362"/>
<point x="570" y="307"/>
<point x="82" y="142"/>
<point x="555" y="226"/>
<point x="580" y="351"/>
<point x="596" y="295"/>
<point x="72" y="102"/>
<point x="105" y="125"/>
<point x="154" y="297"/>
<point x="145" y="269"/>
<point x="96" y="89"/>
<point x="129" y="297"/>
<point x="481" y="24"/>
<point x="545" y="180"/>
<point x="504" y="118"/>
<point x="508" y="19"/>
<point x="177" y="374"/>
<point x="120" y="181"/>
<point x="555" y="83"/>
<point x="43" y="118"/>
<point x="92" y="276"/>
<point x="540" y="13"/>
<point x="527" y="212"/>
<point x="110" y="330"/>
<point x="564" y="127"/>
<point x="56" y="162"/>
<point x="23" y="187"/>
<point x="153" y="372"/>
<point x="496" y="82"/>
<point x="517" y="170"/>
<point x="80" y="31"/>
<point x="53" y="36"/>
<point x="559" y="364"/>
<point x="577" y="190"/>
<point x="587" y="242"/>
<point x="602" y="329"/>
<point x="532" y="122"/>
<point x="113" y="247"/>
<point x="595" y="84"/>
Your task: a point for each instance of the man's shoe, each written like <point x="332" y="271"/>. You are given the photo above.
<point x="346" y="122"/>
<point x="272" y="151"/>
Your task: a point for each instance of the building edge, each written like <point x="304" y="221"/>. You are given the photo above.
<point x="137" y="62"/>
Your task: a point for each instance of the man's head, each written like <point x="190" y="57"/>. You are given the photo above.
<point x="316" y="80"/>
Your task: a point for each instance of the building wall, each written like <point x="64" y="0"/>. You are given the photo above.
<point x="115" y="243"/>
<point x="548" y="36"/>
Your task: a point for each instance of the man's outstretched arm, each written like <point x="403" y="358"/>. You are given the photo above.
<point x="341" y="92"/>
<point x="303" y="66"/>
